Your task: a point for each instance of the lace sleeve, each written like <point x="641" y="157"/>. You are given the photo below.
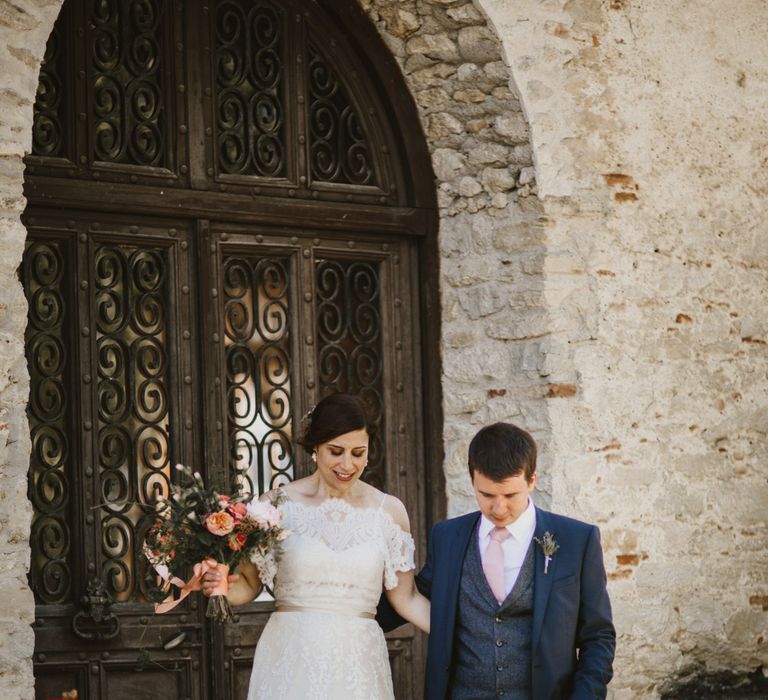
<point x="399" y="555"/>
<point x="266" y="565"/>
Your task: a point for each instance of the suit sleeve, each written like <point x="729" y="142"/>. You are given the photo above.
<point x="386" y="615"/>
<point x="595" y="634"/>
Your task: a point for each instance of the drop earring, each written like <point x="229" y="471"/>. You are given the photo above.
<point x="314" y="457"/>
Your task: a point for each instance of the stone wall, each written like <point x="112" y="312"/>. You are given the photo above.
<point x="648" y="128"/>
<point x="492" y="228"/>
<point x="618" y="314"/>
<point x="24" y="29"/>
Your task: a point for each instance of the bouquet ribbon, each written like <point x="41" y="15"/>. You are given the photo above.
<point x="195" y="584"/>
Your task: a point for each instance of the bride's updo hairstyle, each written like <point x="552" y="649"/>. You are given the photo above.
<point x="333" y="416"/>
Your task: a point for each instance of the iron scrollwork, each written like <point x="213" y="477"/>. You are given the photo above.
<point x="127" y="82"/>
<point x="349" y="350"/>
<point x="51" y="103"/>
<point x="132" y="400"/>
<point x="45" y="273"/>
<point x="338" y="149"/>
<point x="256" y="317"/>
<point x="96" y="619"/>
<point x="249" y="82"/>
<point x="262" y="55"/>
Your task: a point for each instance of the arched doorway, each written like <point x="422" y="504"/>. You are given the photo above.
<point x="231" y="213"/>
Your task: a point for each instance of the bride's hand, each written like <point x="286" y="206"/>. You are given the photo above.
<point x="212" y="579"/>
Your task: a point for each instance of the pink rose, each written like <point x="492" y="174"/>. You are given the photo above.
<point x="221" y="523"/>
<point x="237" y="511"/>
<point x="265" y="514"/>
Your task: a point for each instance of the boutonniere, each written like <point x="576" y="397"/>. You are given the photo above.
<point x="548" y="547"/>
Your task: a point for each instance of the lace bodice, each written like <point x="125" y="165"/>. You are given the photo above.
<point x="337" y="557"/>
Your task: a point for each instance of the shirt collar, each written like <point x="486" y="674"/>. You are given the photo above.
<point x="522" y="529"/>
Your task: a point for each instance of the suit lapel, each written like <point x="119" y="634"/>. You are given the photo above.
<point x="461" y="539"/>
<point x="542" y="583"/>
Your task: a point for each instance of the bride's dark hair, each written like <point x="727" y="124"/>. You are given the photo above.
<point x="333" y="416"/>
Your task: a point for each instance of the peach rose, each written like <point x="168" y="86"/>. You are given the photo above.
<point x="221" y="523"/>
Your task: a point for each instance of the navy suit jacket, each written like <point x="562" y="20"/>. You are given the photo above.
<point x="573" y="640"/>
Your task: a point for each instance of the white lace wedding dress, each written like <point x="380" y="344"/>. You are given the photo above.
<point x="322" y="642"/>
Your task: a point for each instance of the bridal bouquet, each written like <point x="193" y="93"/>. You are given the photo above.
<point x="200" y="529"/>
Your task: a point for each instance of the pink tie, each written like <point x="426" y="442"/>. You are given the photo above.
<point x="493" y="563"/>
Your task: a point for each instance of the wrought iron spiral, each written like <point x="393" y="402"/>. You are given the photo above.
<point x="349" y="352"/>
<point x="45" y="275"/>
<point x="249" y="89"/>
<point x="339" y="150"/>
<point x="258" y="361"/>
<point x="133" y="446"/>
<point x="127" y="83"/>
<point x="51" y="114"/>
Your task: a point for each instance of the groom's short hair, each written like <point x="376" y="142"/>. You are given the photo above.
<point x="502" y="450"/>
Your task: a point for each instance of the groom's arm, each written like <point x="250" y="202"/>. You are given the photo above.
<point x="595" y="634"/>
<point x="386" y="616"/>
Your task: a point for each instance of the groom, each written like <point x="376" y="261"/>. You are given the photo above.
<point x="519" y="602"/>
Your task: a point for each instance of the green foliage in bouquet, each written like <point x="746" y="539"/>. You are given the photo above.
<point x="199" y="523"/>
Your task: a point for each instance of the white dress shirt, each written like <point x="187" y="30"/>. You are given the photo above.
<point x="515" y="547"/>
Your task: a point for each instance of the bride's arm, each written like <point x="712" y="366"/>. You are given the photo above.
<point x="243" y="586"/>
<point x="405" y="597"/>
<point x="408" y="602"/>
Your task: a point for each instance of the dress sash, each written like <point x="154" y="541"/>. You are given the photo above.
<point x="306" y="608"/>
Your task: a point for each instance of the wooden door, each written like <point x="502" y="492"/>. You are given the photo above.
<point x="224" y="226"/>
<point x="296" y="317"/>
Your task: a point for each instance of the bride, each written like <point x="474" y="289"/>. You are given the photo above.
<point x="348" y="541"/>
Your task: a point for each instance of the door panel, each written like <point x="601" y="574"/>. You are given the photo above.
<point x="121" y="402"/>
<point x="111" y="372"/>
<point x="337" y="313"/>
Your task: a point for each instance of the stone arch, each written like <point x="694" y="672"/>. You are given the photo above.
<point x="495" y="322"/>
<point x="24" y="30"/>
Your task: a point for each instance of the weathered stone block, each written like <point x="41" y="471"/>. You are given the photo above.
<point x="398" y="21"/>
<point x="432" y="97"/>
<point x="469" y="96"/>
<point x="478" y="45"/>
<point x="436" y="46"/>
<point x="465" y="14"/>
<point x="498" y="179"/>
<point x="469" y="187"/>
<point x="467" y="72"/>
<point x="448" y="164"/>
<point x="512" y="128"/>
<point x="481" y="300"/>
<point x="443" y="124"/>
<point x="489" y="154"/>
